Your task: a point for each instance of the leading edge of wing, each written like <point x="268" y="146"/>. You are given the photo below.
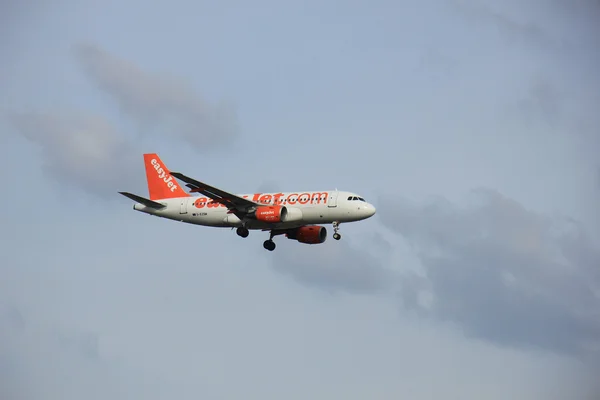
<point x="218" y="195"/>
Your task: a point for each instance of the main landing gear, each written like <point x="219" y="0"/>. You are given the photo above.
<point x="336" y="228"/>
<point x="270" y="244"/>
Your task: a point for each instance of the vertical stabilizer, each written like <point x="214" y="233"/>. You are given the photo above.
<point x="161" y="185"/>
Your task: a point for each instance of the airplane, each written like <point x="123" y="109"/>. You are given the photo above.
<point x="296" y="215"/>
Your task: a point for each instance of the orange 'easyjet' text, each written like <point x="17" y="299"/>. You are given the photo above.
<point x="272" y="199"/>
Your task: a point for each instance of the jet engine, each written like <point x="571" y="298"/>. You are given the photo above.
<point x="270" y="213"/>
<point x="277" y="214"/>
<point x="309" y="234"/>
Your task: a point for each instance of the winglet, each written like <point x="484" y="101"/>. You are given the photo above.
<point x="144" y="201"/>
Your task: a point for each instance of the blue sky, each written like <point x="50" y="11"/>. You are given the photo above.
<point x="471" y="125"/>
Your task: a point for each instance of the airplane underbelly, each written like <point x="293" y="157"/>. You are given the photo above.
<point x="208" y="217"/>
<point x="313" y="215"/>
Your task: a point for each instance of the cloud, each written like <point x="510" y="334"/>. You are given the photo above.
<point x="13" y="324"/>
<point x="86" y="151"/>
<point x="155" y="101"/>
<point x="511" y="26"/>
<point x="334" y="268"/>
<point x="541" y="103"/>
<point x="62" y="365"/>
<point x="503" y="273"/>
<point x="83" y="151"/>
<point x="500" y="272"/>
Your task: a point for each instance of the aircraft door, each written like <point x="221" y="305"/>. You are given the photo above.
<point x="183" y="206"/>
<point x="332" y="201"/>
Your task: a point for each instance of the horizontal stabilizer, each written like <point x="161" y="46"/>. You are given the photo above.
<point x="144" y="201"/>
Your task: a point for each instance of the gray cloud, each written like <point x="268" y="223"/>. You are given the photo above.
<point x="336" y="267"/>
<point x="86" y="151"/>
<point x="502" y="272"/>
<point x="83" y="151"/>
<point x="159" y="104"/>
<point x="35" y="353"/>
<point x="510" y="26"/>
<point x="541" y="103"/>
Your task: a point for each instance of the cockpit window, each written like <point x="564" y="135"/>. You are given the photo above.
<point x="356" y="198"/>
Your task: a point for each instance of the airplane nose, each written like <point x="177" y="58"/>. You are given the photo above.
<point x="370" y="210"/>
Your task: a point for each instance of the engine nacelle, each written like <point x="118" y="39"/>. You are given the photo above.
<point x="293" y="214"/>
<point x="278" y="214"/>
<point x="270" y="213"/>
<point x="232" y="220"/>
<point x="309" y="234"/>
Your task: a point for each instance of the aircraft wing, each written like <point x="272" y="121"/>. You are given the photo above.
<point x="229" y="200"/>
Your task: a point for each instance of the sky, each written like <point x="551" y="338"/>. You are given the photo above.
<point x="471" y="125"/>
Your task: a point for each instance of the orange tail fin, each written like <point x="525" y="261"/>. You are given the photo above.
<point x="161" y="185"/>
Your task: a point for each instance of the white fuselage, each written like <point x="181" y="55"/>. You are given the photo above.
<point x="311" y="207"/>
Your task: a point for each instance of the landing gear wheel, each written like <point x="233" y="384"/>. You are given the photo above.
<point x="269" y="245"/>
<point x="243" y="232"/>
<point x="336" y="228"/>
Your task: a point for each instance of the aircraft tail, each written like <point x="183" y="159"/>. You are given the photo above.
<point x="161" y="184"/>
